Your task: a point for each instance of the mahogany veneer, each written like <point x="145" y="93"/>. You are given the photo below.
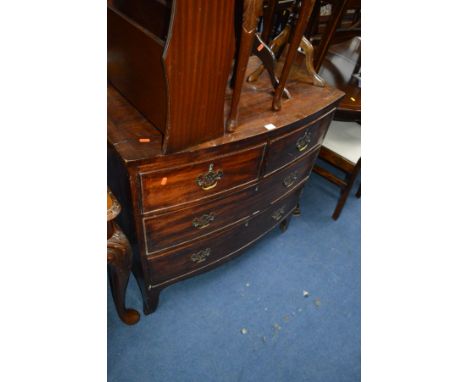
<point x="191" y="210"/>
<point x="172" y="60"/>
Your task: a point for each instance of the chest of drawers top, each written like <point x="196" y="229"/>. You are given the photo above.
<point x="139" y="144"/>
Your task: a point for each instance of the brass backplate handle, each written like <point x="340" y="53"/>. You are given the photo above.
<point x="290" y="179"/>
<point x="203" y="221"/>
<point x="304" y="141"/>
<point x="210" y="179"/>
<point x="201" y="256"/>
<point x="278" y="214"/>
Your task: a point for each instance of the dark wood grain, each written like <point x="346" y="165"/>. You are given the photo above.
<point x="340" y="67"/>
<point x="119" y="262"/>
<point x="161" y="212"/>
<point x="289" y="147"/>
<point x="164" y="231"/>
<point x="176" y="186"/>
<point x="252" y="11"/>
<point x="135" y="68"/>
<point x="279" y="182"/>
<point x="179" y="81"/>
<point x="197" y="74"/>
<point x="350" y="170"/>
<point x="268" y="15"/>
<point x="186" y="260"/>
<point x="337" y="14"/>
<point x="126" y="125"/>
<point x="152" y="15"/>
<point x="299" y="29"/>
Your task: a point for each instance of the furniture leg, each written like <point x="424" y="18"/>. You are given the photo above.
<point x="304" y="15"/>
<point x="275" y="46"/>
<point x="252" y="11"/>
<point x="297" y="210"/>
<point x="268" y="19"/>
<point x="345" y="191"/>
<point x="151" y="301"/>
<point x="328" y="35"/>
<point x="285" y="224"/>
<point x="119" y="262"/>
<point x="358" y="193"/>
<point x="308" y="49"/>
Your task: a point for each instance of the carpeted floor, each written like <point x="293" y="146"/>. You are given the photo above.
<point x="195" y="335"/>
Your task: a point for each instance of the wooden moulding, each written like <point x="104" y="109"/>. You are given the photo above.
<point x="176" y="78"/>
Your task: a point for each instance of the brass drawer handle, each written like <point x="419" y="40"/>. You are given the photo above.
<point x="304" y="141"/>
<point x="290" y="179"/>
<point x="278" y="214"/>
<point x="210" y="179"/>
<point x="203" y="221"/>
<point x="200" y="256"/>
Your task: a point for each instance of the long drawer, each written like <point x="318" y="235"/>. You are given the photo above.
<point x="174" y="228"/>
<point x="185" y="260"/>
<point x="289" y="147"/>
<point x="172" y="187"/>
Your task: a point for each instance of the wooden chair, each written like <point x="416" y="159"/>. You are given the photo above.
<point x="294" y="35"/>
<point x="341" y="149"/>
<point x="341" y="24"/>
<point x="339" y="64"/>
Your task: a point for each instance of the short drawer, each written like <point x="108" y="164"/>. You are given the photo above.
<point x="177" y="186"/>
<point x="171" y="229"/>
<point x="287" y="148"/>
<point x="276" y="185"/>
<point x="186" y="260"/>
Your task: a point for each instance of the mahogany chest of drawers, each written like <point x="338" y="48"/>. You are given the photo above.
<point x="189" y="211"/>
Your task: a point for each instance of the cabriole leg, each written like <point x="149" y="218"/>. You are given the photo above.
<point x="119" y="261"/>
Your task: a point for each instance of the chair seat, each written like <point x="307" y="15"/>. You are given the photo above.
<point x="344" y="138"/>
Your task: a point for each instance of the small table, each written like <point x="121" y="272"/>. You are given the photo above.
<point x="119" y="261"/>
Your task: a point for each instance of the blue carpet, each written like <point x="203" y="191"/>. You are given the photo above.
<point x="195" y="335"/>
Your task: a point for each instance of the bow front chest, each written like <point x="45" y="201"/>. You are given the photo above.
<point x="189" y="211"/>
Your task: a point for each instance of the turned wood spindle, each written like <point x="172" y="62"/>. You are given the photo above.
<point x="251" y="14"/>
<point x="268" y="15"/>
<point x="301" y="25"/>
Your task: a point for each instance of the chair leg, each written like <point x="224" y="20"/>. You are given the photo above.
<point x="345" y="191"/>
<point x="301" y="25"/>
<point x="341" y="203"/>
<point x="268" y="20"/>
<point x="358" y="193"/>
<point x="252" y="10"/>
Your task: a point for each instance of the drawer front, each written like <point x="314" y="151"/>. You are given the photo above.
<point x="287" y="148"/>
<point x="174" y="228"/>
<point x="177" y="186"/>
<point x="278" y="184"/>
<point x="184" y="261"/>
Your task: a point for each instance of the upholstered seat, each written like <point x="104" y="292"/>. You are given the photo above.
<point x="341" y="148"/>
<point x="344" y="138"/>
